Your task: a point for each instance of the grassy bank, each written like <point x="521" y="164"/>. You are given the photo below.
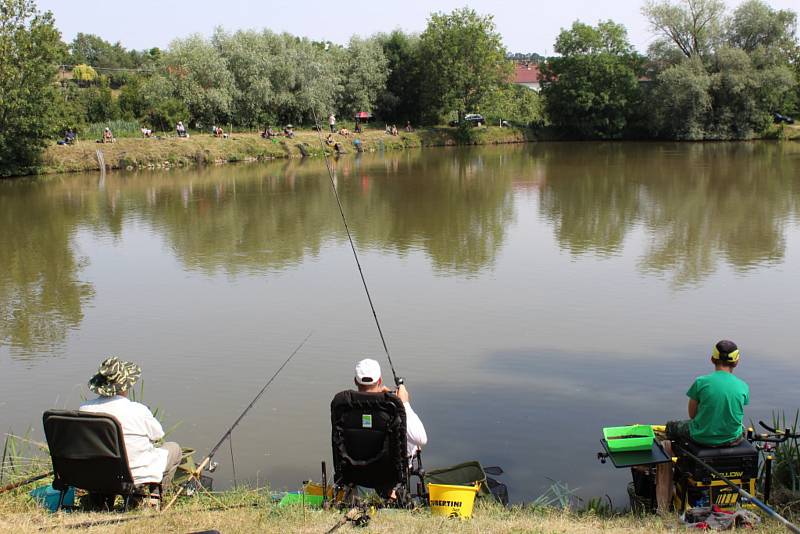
<point x="204" y="148"/>
<point x="170" y="151"/>
<point x="786" y="132"/>
<point x="250" y="512"/>
<point x="245" y="510"/>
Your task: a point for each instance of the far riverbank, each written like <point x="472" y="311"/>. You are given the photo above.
<point x="171" y="151"/>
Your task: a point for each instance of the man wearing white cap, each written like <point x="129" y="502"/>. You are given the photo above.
<point x="368" y="380"/>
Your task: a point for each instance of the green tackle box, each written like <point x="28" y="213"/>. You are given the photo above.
<point x="297" y="498"/>
<point x="641" y="439"/>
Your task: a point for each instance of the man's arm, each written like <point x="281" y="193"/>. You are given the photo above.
<point x="414" y="427"/>
<point x="154" y="429"/>
<point x="693" y="404"/>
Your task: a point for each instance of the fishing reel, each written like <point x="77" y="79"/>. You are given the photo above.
<point x="212" y="466"/>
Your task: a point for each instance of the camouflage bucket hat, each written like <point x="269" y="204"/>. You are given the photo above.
<point x="114" y="377"/>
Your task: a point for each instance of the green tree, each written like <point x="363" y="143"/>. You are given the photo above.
<point x="743" y="96"/>
<point x="160" y="109"/>
<point x="515" y="103"/>
<point x="132" y="102"/>
<point x="30" y="47"/>
<point x="93" y="50"/>
<point x="364" y="76"/>
<point x="769" y="37"/>
<point x="84" y="73"/>
<point x="70" y="109"/>
<point x="252" y="59"/>
<point x="591" y="88"/>
<point x="754" y="25"/>
<point x="310" y="78"/>
<point x="680" y="101"/>
<point x="463" y="60"/>
<point x="399" y="100"/>
<point x="201" y="79"/>
<point x="692" y="26"/>
<point x="99" y="103"/>
<point x="100" y="54"/>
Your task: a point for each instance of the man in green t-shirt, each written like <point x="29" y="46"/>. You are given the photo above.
<point x="716" y="403"/>
<point x="716" y="411"/>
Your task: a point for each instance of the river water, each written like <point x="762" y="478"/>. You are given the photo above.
<point x="529" y="294"/>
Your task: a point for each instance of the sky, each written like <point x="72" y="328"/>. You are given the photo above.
<point x="526" y="25"/>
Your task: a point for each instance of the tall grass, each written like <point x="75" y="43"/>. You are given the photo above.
<point x="22" y="457"/>
<point x="119" y="128"/>
<point x="786" y="466"/>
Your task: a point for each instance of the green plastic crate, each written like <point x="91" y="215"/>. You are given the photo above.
<point x="296" y="498"/>
<point x="642" y="442"/>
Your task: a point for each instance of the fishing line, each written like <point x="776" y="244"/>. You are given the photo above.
<point x="397" y="380"/>
<point x="255" y="400"/>
<point x="196" y="473"/>
<point x="233" y="461"/>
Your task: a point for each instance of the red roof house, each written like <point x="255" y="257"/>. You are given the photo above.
<point x="528" y="74"/>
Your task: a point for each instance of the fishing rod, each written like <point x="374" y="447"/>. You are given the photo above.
<point x="207" y="460"/>
<point x="397" y="380"/>
<point x="9" y="487"/>
<point x="772" y="513"/>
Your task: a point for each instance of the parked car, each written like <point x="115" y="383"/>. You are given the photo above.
<point x="782" y="118"/>
<point x="474" y="119"/>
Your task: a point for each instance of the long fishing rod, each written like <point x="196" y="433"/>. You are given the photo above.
<point x="9" y="487"/>
<point x="397" y="380"/>
<point x="772" y="513"/>
<point x="199" y="469"/>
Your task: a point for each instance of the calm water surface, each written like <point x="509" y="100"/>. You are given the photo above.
<point x="531" y="295"/>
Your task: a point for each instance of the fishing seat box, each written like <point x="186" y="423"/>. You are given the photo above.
<point x="696" y="486"/>
<point x="740" y="461"/>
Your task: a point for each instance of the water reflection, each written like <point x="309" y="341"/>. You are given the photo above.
<point x="41" y="295"/>
<point x="590" y="196"/>
<point x="694" y="206"/>
<point x="452" y="205"/>
<point x="699" y="203"/>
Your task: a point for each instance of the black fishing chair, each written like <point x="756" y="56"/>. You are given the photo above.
<point x="88" y="452"/>
<point x="369" y="447"/>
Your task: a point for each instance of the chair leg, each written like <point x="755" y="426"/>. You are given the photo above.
<point x="61" y="496"/>
<point x="127" y="502"/>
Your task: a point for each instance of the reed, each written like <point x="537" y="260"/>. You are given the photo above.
<point x="119" y="128"/>
<point x="786" y="466"/>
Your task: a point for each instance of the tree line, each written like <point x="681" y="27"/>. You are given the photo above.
<point x="709" y="74"/>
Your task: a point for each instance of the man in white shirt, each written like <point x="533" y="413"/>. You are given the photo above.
<point x="368" y="380"/>
<point x="148" y="463"/>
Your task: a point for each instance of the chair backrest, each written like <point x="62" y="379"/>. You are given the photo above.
<point x="88" y="452"/>
<point x="369" y="440"/>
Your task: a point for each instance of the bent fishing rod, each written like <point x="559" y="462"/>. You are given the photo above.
<point x="398" y="381"/>
<point x="772" y="513"/>
<point x="206" y="461"/>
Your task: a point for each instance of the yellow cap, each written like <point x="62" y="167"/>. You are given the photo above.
<point x="732" y="356"/>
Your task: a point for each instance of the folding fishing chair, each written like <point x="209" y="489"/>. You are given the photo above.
<point x="369" y="447"/>
<point x="88" y="452"/>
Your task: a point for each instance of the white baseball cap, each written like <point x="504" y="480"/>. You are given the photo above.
<point x="368" y="372"/>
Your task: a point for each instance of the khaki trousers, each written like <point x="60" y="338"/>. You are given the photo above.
<point x="173" y="460"/>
